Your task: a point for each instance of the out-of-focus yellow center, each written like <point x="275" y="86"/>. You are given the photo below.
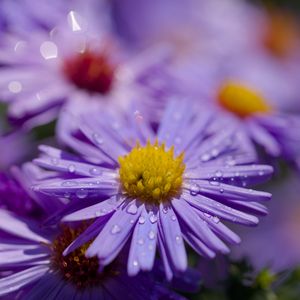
<point x="281" y="34"/>
<point x="151" y="173"/>
<point x="241" y="100"/>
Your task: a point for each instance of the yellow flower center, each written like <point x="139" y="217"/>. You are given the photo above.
<point x="151" y="173"/>
<point x="241" y="100"/>
<point x="281" y="34"/>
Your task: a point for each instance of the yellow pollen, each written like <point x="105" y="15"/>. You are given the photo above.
<point x="151" y="173"/>
<point x="242" y="100"/>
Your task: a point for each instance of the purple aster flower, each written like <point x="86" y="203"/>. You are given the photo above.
<point x="248" y="101"/>
<point x="156" y="188"/>
<point x="78" y="61"/>
<point x="36" y="267"/>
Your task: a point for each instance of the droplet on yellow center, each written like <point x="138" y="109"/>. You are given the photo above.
<point x="241" y="100"/>
<point x="151" y="173"/>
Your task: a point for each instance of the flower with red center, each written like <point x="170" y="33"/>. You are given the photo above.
<point x="90" y="71"/>
<point x="72" y="65"/>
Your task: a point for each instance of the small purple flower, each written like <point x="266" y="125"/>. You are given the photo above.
<point x="36" y="267"/>
<point x="246" y="103"/>
<point x="77" y="62"/>
<point x="156" y="188"/>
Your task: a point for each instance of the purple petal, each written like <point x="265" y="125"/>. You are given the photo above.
<point x="114" y="235"/>
<point x="199" y="228"/>
<point x="19" y="227"/>
<point x="172" y="238"/>
<point x="18" y="280"/>
<point x="143" y="243"/>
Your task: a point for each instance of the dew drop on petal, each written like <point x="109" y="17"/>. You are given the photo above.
<point x="95" y="171"/>
<point x="173" y="218"/>
<point x="135" y="263"/>
<point x="132" y="209"/>
<point x="153" y="218"/>
<point x="81" y="194"/>
<point x="97" y="139"/>
<point x="216" y="219"/>
<point x="69" y="183"/>
<point x="205" y="157"/>
<point x="151" y="234"/>
<point x="15" y="87"/>
<point x="214" y="183"/>
<point x="142" y="219"/>
<point x="54" y="161"/>
<point x="178" y="239"/>
<point x="115" y="229"/>
<point x="194" y="189"/>
<point x="219" y="173"/>
<point x="71" y="168"/>
<point x="48" y="50"/>
<point x="140" y="241"/>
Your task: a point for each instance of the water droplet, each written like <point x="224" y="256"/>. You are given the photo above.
<point x="135" y="263"/>
<point x="216" y="219"/>
<point x="178" y="239"/>
<point x="131" y="221"/>
<point x="194" y="189"/>
<point x="261" y="173"/>
<point x="140" y="241"/>
<point x="71" y="168"/>
<point x="69" y="183"/>
<point x="81" y="194"/>
<point x="221" y="191"/>
<point x="165" y="210"/>
<point x="54" y="161"/>
<point x="205" y="157"/>
<point x="115" y="229"/>
<point x="214" y="183"/>
<point x="173" y="218"/>
<point x="151" y="234"/>
<point x="153" y="218"/>
<point x="132" y="209"/>
<point x="97" y="139"/>
<point x="142" y="219"/>
<point x="219" y="173"/>
<point x="48" y="50"/>
<point x="95" y="171"/>
<point x="15" y="87"/>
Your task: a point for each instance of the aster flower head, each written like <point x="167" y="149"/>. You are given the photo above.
<point x="241" y="97"/>
<point x="156" y="187"/>
<point x="77" y="62"/>
<point x="37" y="267"/>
